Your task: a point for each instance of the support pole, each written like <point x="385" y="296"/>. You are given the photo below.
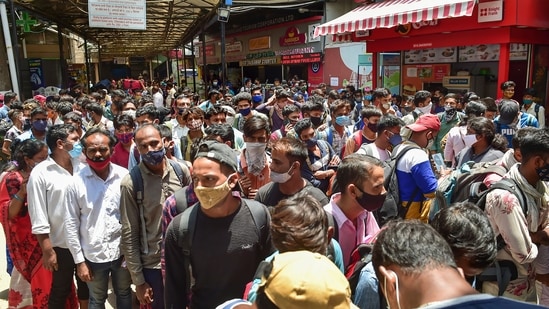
<point x="62" y="60"/>
<point x="87" y="55"/>
<point x="9" y="47"/>
<point x="223" y="62"/>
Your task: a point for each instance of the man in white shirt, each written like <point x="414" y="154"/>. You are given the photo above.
<point x="46" y="188"/>
<point x="158" y="98"/>
<point x="92" y="222"/>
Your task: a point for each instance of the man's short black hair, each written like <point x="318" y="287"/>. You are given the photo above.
<point x="124" y="120"/>
<point x="224" y="131"/>
<point x="98" y="130"/>
<point x="421" y="96"/>
<point x="302" y="125"/>
<point x="150" y="110"/>
<point x="96" y="108"/>
<point x="389" y="121"/>
<point x="58" y="132"/>
<point x="380" y="93"/>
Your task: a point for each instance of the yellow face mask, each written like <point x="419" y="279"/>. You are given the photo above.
<point x="211" y="196"/>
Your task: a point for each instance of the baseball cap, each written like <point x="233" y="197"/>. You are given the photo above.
<point x="508" y="110"/>
<point x="425" y="122"/>
<point x="1" y="97"/>
<point x="219" y="152"/>
<point x="367" y="89"/>
<point x="303" y="279"/>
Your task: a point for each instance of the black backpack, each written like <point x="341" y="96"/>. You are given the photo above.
<point x="502" y="271"/>
<point x="392" y="207"/>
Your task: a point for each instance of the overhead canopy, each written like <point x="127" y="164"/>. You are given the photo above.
<point x="391" y="13"/>
<point x="170" y="23"/>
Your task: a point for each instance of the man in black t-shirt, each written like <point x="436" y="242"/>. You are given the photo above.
<point x="288" y="155"/>
<point x="224" y="240"/>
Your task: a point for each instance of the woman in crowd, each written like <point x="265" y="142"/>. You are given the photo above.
<point x="30" y="282"/>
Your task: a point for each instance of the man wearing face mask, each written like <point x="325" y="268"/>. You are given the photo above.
<point x="388" y="137"/>
<point x="141" y="224"/>
<point x="481" y="143"/>
<point x="93" y="205"/>
<point x="523" y="231"/>
<point x="360" y="179"/>
<point x="274" y="106"/>
<point x="46" y="188"/>
<point x="288" y="155"/>
<point x="243" y="100"/>
<point x="511" y="119"/>
<point x="416" y="269"/>
<point x="254" y="160"/>
<point x="230" y="236"/>
<point x="321" y="161"/>
<point x="370" y="116"/>
<point x="291" y="114"/>
<point x="213" y="96"/>
<point x="337" y="134"/>
<point x="39" y="124"/>
<point x="381" y="99"/>
<point x="421" y="104"/>
<point x="533" y="108"/>
<point x="448" y="119"/>
<point x="416" y="180"/>
<point x="194" y="119"/>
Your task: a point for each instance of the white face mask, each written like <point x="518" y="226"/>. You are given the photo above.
<point x="425" y="109"/>
<point x="386" y="105"/>
<point x="130" y="113"/>
<point x="469" y="140"/>
<point x="255" y="149"/>
<point x="281" y="177"/>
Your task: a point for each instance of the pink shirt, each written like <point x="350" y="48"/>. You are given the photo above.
<point x="350" y="235"/>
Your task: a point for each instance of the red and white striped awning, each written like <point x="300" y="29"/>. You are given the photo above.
<point x="390" y="13"/>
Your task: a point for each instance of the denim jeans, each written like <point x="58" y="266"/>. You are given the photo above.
<point x="121" y="281"/>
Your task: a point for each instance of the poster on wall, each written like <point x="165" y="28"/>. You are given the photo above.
<point x="518" y="51"/>
<point x="432" y="55"/>
<point x="36" y="73"/>
<point x="414" y="76"/>
<point x="479" y="53"/>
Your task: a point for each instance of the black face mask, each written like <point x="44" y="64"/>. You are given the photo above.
<point x="370" y="202"/>
<point x="316" y="121"/>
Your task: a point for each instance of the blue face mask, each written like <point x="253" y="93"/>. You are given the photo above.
<point x="76" y="150"/>
<point x="257" y="98"/>
<point x="368" y="97"/>
<point x="40" y="125"/>
<point x="343" y="120"/>
<point x="311" y="142"/>
<point x="396" y="139"/>
<point x="154" y="157"/>
<point x="245" y="111"/>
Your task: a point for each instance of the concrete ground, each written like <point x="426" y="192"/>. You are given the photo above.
<point x="5" y="280"/>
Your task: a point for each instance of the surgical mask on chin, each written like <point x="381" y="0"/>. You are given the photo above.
<point x="281" y="177"/>
<point x="469" y="140"/>
<point x="211" y="196"/>
<point x="396" y="290"/>
<point x="425" y="109"/>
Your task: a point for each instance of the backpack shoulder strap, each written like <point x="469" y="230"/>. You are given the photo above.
<point x="260" y="215"/>
<point x="137" y="181"/>
<point x="181" y="199"/>
<point x="187" y="223"/>
<point x="536" y="109"/>
<point x="329" y="135"/>
<point x="333" y="223"/>
<point x="178" y="171"/>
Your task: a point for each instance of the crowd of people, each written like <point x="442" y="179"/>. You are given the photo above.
<point x="261" y="198"/>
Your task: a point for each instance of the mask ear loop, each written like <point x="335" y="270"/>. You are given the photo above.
<point x="397" y="290"/>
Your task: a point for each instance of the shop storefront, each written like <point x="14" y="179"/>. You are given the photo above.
<point x="460" y="44"/>
<point x="278" y="49"/>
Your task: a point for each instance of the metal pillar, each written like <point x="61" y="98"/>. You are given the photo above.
<point x="62" y="60"/>
<point x="194" y="77"/>
<point x="223" y="62"/>
<point x="9" y="47"/>
<point x="87" y="55"/>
